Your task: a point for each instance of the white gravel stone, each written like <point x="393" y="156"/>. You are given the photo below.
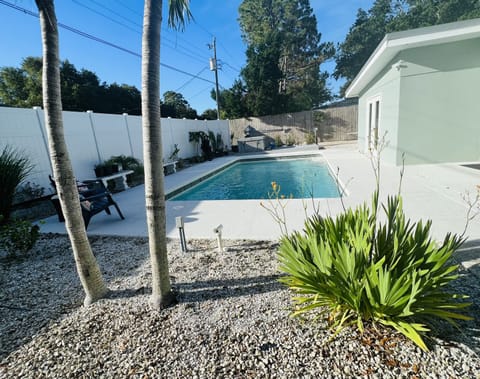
<point x="232" y="321"/>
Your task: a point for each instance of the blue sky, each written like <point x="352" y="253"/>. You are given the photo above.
<point x="119" y="22"/>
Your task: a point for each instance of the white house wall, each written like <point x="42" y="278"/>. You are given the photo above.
<point x="439" y="106"/>
<point x="386" y="87"/>
<point x="23" y="129"/>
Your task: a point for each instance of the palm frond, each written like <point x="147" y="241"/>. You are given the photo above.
<point x="179" y="13"/>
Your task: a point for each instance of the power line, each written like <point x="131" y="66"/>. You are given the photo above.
<point x="228" y="53"/>
<point x="174" y="45"/>
<point x="116" y="13"/>
<point x="191" y="79"/>
<point x="164" y="39"/>
<point x="177" y="37"/>
<point x="107" y="17"/>
<point x="220" y="43"/>
<point x="195" y="57"/>
<point x="200" y="92"/>
<point x="100" y="40"/>
<point x="203" y="28"/>
<point x="229" y="65"/>
<point x="130" y="9"/>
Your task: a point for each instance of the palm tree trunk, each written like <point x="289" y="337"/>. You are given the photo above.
<point x="162" y="295"/>
<point x="86" y="263"/>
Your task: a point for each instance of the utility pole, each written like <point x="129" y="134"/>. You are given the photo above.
<point x="214" y="67"/>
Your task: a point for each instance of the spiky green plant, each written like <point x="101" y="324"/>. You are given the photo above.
<point x="14" y="168"/>
<point x="356" y="270"/>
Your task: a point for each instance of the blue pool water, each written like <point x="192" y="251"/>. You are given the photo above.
<point x="252" y="180"/>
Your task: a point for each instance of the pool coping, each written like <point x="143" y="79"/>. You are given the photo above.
<point x="429" y="192"/>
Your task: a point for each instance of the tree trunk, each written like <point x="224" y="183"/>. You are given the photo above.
<point x="87" y="266"/>
<point x="162" y="295"/>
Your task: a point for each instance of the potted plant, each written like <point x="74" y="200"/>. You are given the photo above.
<point x="113" y="166"/>
<point x="99" y="169"/>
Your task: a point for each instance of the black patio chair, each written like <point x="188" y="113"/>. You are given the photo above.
<point x="94" y="198"/>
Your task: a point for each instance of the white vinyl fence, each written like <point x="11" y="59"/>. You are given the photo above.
<point x="94" y="137"/>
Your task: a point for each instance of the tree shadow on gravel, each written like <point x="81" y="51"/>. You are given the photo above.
<point x="43" y="287"/>
<point x="227" y="288"/>
<point x="210" y="289"/>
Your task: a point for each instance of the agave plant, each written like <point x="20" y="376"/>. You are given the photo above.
<point x="14" y="168"/>
<point x="358" y="270"/>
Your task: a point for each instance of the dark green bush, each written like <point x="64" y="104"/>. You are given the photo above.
<point x="356" y="270"/>
<point x="14" y="168"/>
<point x="127" y="163"/>
<point x="130" y="163"/>
<point x="18" y="237"/>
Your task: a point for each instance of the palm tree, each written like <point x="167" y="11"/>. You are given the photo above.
<point x="162" y="295"/>
<point x="87" y="266"/>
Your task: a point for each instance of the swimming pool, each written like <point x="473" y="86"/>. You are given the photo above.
<point x="299" y="178"/>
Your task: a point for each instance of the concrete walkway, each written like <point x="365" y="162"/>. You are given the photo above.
<point x="429" y="191"/>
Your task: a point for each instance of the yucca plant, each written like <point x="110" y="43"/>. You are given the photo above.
<point x="14" y="168"/>
<point x="357" y="270"/>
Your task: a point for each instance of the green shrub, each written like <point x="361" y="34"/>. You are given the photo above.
<point x="18" y="236"/>
<point x="310" y="138"/>
<point x="278" y="140"/>
<point x="356" y="270"/>
<point x="290" y="141"/>
<point x="127" y="162"/>
<point x="14" y="168"/>
<point x="130" y="163"/>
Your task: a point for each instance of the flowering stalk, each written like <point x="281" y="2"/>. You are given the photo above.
<point x="276" y="205"/>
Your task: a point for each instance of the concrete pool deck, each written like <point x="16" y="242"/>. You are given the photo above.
<point x="429" y="192"/>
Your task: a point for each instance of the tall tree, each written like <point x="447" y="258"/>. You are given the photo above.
<point x="290" y="27"/>
<point x="87" y="267"/>
<point x="162" y="294"/>
<point x="22" y="87"/>
<point x="81" y="89"/>
<point x="176" y="106"/>
<point x="363" y="37"/>
<point x="387" y="16"/>
<point x="210" y="114"/>
<point x="263" y="77"/>
<point x="232" y="101"/>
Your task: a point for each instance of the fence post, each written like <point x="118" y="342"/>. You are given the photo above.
<point x="94" y="135"/>
<point x="125" y="117"/>
<point x="44" y="138"/>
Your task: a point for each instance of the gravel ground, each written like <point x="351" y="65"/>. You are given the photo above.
<point x="232" y="321"/>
